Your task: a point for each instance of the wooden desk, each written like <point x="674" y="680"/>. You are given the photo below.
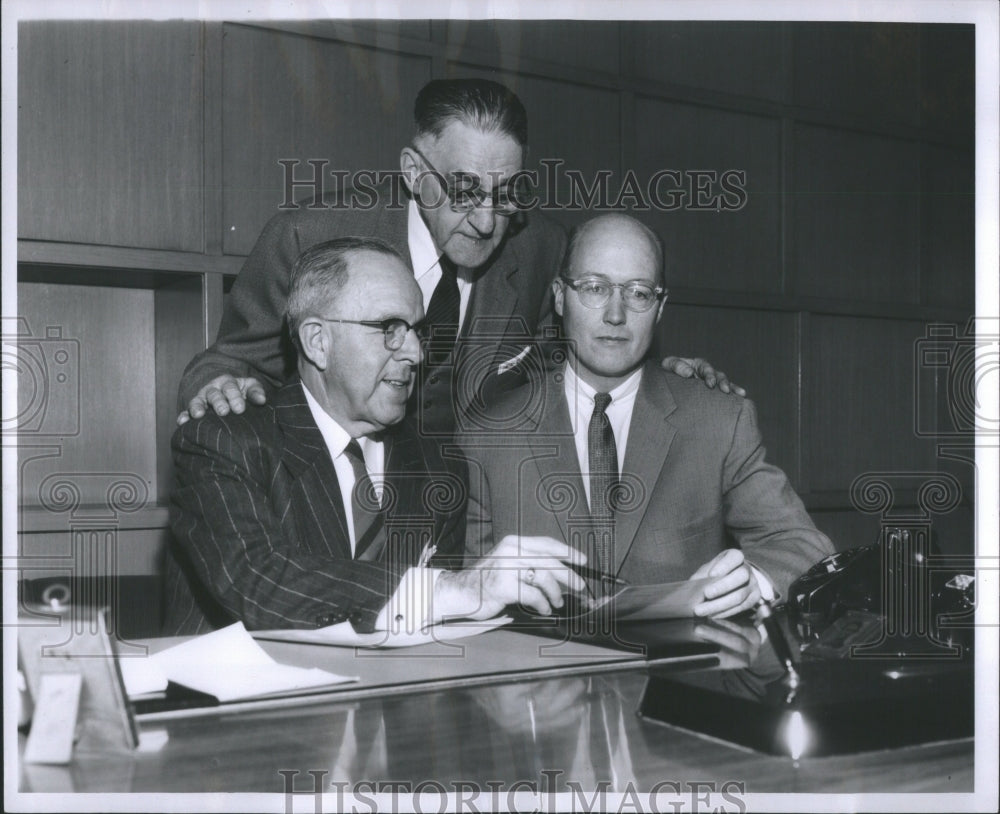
<point x="552" y="732"/>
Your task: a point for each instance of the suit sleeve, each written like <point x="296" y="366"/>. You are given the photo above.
<point x="762" y="511"/>
<point x="226" y="522"/>
<point x="250" y="339"/>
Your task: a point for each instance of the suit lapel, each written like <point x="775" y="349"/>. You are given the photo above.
<point x="406" y="478"/>
<point x="487" y="321"/>
<point x="303" y="442"/>
<point x="554" y="454"/>
<point x="307" y="459"/>
<point x="649" y="437"/>
<point x="493" y="298"/>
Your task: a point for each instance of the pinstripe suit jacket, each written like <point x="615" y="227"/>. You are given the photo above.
<point x="695" y="480"/>
<point x="259" y="532"/>
<point x="511" y="298"/>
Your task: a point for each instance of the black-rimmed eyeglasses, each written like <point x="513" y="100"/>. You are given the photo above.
<point x="394" y="329"/>
<point x="464" y="192"/>
<point x="595" y="293"/>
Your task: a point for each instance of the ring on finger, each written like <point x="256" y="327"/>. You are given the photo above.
<point x="529" y="576"/>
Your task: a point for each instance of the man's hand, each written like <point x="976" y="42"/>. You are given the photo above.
<point x="222" y="394"/>
<point x="734" y="588"/>
<point x="531" y="571"/>
<point x="703" y="369"/>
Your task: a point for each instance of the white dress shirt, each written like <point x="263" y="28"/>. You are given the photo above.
<point x="410" y="607"/>
<point x="337" y="439"/>
<point x="427" y="262"/>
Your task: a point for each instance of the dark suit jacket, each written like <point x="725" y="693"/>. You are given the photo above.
<point x="695" y="482"/>
<point x="510" y="299"/>
<point x="259" y="529"/>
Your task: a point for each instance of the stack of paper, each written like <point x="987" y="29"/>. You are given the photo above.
<point x="227" y="664"/>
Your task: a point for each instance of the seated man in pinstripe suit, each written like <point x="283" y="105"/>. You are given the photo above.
<point x="326" y="505"/>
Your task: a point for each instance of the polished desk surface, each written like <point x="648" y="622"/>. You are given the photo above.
<point x="550" y="731"/>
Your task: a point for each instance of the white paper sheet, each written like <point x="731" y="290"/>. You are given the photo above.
<point x="670" y="600"/>
<point x="142" y="676"/>
<point x="227" y="664"/>
<point x="667" y="600"/>
<point x="343" y="635"/>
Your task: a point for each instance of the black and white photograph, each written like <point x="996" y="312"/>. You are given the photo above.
<point x="484" y="406"/>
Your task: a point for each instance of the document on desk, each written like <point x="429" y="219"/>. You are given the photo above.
<point x="343" y="635"/>
<point x="668" y="600"/>
<point x="227" y="664"/>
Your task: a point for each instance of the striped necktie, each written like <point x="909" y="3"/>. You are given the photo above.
<point x="603" y="460"/>
<point x="369" y="519"/>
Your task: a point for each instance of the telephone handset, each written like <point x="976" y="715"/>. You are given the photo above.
<point x="854" y="582"/>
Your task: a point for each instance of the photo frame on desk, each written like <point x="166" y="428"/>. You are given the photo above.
<point x="68" y="640"/>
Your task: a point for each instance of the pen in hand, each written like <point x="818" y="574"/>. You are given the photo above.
<point x="598" y="576"/>
<point x="590" y="573"/>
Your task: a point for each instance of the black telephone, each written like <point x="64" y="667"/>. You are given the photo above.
<point x="852" y="597"/>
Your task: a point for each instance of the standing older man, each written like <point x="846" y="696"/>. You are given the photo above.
<point x="325" y="505"/>
<point x="483" y="266"/>
<point x="655" y="477"/>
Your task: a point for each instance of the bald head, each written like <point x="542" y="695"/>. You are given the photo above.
<point x="610" y="297"/>
<point x="609" y="231"/>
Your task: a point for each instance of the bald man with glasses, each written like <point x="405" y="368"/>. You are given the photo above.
<point x="655" y="478"/>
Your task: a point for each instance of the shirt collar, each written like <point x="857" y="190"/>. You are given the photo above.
<point x="423" y="253"/>
<point x="574" y="384"/>
<point x="335" y="436"/>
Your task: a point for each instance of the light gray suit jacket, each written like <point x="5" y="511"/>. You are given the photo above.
<point x="695" y="482"/>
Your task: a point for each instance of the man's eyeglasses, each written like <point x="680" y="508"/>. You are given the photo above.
<point x="595" y="293"/>
<point x="465" y="194"/>
<point x="394" y="329"/>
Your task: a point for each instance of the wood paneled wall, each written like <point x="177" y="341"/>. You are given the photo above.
<point x="110" y="126"/>
<point x="857" y="232"/>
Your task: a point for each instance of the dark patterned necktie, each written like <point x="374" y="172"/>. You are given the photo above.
<point x="369" y="519"/>
<point x="442" y="315"/>
<point x="603" y="459"/>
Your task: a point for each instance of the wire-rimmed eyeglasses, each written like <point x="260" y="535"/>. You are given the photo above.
<point x="465" y="194"/>
<point x="394" y="329"/>
<point x="595" y="292"/>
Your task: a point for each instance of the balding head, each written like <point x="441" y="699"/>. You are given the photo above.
<point x="613" y="229"/>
